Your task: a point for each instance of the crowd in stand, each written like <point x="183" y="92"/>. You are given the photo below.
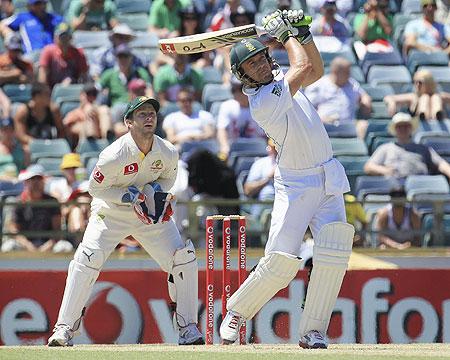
<point x="69" y="68"/>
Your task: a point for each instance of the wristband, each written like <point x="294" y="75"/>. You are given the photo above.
<point x="305" y="38"/>
<point x="286" y="37"/>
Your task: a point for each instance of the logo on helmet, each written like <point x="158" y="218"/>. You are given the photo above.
<point x="250" y="47"/>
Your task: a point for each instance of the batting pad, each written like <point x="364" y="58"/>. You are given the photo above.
<point x="83" y="272"/>
<point x="184" y="289"/>
<point x="332" y="249"/>
<point x="273" y="273"/>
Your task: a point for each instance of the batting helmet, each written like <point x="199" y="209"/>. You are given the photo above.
<point x="244" y="50"/>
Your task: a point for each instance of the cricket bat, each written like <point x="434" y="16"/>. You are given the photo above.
<point x="197" y="43"/>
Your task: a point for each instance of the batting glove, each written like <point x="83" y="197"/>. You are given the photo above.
<point x="300" y="23"/>
<point x="277" y="27"/>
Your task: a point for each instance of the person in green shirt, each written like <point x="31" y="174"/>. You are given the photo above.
<point x="164" y="18"/>
<point x="169" y="79"/>
<point x="114" y="82"/>
<point x="92" y="15"/>
<point x="375" y="23"/>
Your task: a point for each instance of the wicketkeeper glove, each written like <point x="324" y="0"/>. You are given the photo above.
<point x="300" y="23"/>
<point x="152" y="205"/>
<point x="277" y="27"/>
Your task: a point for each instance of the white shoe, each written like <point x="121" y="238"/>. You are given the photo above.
<point x="229" y="329"/>
<point x="190" y="335"/>
<point x="313" y="340"/>
<point x="62" y="336"/>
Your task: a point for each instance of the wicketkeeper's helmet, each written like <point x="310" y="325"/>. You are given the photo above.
<point x="244" y="50"/>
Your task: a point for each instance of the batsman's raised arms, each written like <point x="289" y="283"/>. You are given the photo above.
<point x="211" y="40"/>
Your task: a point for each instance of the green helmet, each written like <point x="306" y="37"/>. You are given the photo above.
<point x="241" y="51"/>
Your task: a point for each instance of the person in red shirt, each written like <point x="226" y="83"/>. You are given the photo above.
<point x="62" y="62"/>
<point x="14" y="69"/>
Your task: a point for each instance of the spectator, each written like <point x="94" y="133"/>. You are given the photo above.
<point x="5" y="105"/>
<point x="92" y="15"/>
<point x="235" y="120"/>
<point x="6" y="9"/>
<point x="29" y="217"/>
<point x="425" y="102"/>
<point x="222" y="19"/>
<point x="9" y="145"/>
<point x="331" y="24"/>
<point x="114" y="81"/>
<point x="425" y="33"/>
<point x="242" y="17"/>
<point x="164" y="18"/>
<point x="186" y="124"/>
<point x="105" y="57"/>
<point x="39" y="118"/>
<point x="343" y="6"/>
<point x="337" y="96"/>
<point x="170" y="78"/>
<point x="62" y="187"/>
<point x="13" y="68"/>
<point x="402" y="157"/>
<point x="62" y="62"/>
<point x="398" y="223"/>
<point x="84" y="121"/>
<point x="259" y="182"/>
<point x="357" y="217"/>
<point x="375" y="23"/>
<point x="78" y="212"/>
<point x="36" y="25"/>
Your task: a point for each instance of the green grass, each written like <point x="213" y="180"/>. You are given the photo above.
<point x="278" y="352"/>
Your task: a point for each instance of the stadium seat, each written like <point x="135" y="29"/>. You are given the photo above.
<point x="267" y="6"/>
<point x="385" y="58"/>
<point x="91" y="145"/>
<point x="402" y="19"/>
<point x="420" y="137"/>
<point x="341" y="130"/>
<point x="396" y="76"/>
<point x="10" y="188"/>
<point x="51" y="166"/>
<point x="244" y="163"/>
<point x="211" y="75"/>
<point x="133" y="6"/>
<point x="328" y="57"/>
<point x="90" y="39"/>
<point x="377" y="93"/>
<point x="137" y="21"/>
<point x="355" y="72"/>
<point x="18" y="92"/>
<point x="440" y="144"/>
<point x="55" y="148"/>
<point x="441" y="75"/>
<point x="379" y="110"/>
<point x="68" y="106"/>
<point x="63" y="93"/>
<point x="374" y="185"/>
<point x="281" y="57"/>
<point x="215" y="107"/>
<point x="215" y="92"/>
<point x="145" y="40"/>
<point x="248" y="145"/>
<point x="433" y="126"/>
<point x="411" y="7"/>
<point x="353" y="163"/>
<point x="378" y="141"/>
<point x="90" y="165"/>
<point x="351" y="146"/>
<point x="189" y="147"/>
<point x="429" y="226"/>
<point x="426" y="184"/>
<point x="419" y="58"/>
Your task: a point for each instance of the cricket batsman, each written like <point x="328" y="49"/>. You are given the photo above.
<point x="129" y="188"/>
<point x="309" y="182"/>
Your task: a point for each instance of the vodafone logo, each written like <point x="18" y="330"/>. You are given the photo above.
<point x="98" y="176"/>
<point x="130" y="169"/>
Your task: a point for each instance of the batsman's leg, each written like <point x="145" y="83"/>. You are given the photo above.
<point x="332" y="249"/>
<point x="273" y="273"/>
<point x="83" y="272"/>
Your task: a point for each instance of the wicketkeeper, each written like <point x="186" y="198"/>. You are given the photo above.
<point x="309" y="182"/>
<point x="129" y="188"/>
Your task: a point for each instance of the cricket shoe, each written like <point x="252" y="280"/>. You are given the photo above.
<point x="190" y="335"/>
<point x="62" y="336"/>
<point x="313" y="340"/>
<point x="229" y="329"/>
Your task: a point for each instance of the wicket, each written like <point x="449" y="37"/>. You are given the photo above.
<point x="226" y="280"/>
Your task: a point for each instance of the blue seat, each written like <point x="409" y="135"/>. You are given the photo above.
<point x="133" y="6"/>
<point x="62" y="93"/>
<point x="248" y="145"/>
<point x="420" y="58"/>
<point x="18" y="92"/>
<point x="348" y="146"/>
<point x="377" y="93"/>
<point x="380" y="140"/>
<point x="215" y="108"/>
<point x="9" y="188"/>
<point x="441" y="75"/>
<point x="434" y="126"/>
<point x="145" y="40"/>
<point x="90" y="145"/>
<point x="90" y="39"/>
<point x="379" y="110"/>
<point x="421" y="137"/>
<point x="355" y="72"/>
<point x="374" y="185"/>
<point x="215" y="92"/>
<point x="244" y="163"/>
<point x="341" y="130"/>
<point x="189" y="147"/>
<point x="429" y="226"/>
<point x="328" y="57"/>
<point x="55" y="148"/>
<point x="396" y="76"/>
<point x="136" y="21"/>
<point x="411" y="7"/>
<point x="389" y="58"/>
<point x="211" y="75"/>
<point x="90" y="165"/>
<point x="426" y="184"/>
<point x="353" y="163"/>
<point x="281" y="57"/>
<point x="402" y="19"/>
<point x="440" y="144"/>
<point x="51" y="166"/>
<point x="68" y="106"/>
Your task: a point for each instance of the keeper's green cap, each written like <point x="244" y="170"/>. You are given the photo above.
<point x="243" y="50"/>
<point x="137" y="103"/>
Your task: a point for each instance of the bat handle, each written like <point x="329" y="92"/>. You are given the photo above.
<point x="306" y="20"/>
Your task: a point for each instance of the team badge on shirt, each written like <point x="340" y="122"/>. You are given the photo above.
<point x="98" y="176"/>
<point x="156" y="165"/>
<point x="277" y="90"/>
<point x="130" y="169"/>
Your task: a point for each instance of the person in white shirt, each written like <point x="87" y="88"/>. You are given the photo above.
<point x="235" y="120"/>
<point x="309" y="182"/>
<point x="186" y="124"/>
<point x="127" y="201"/>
